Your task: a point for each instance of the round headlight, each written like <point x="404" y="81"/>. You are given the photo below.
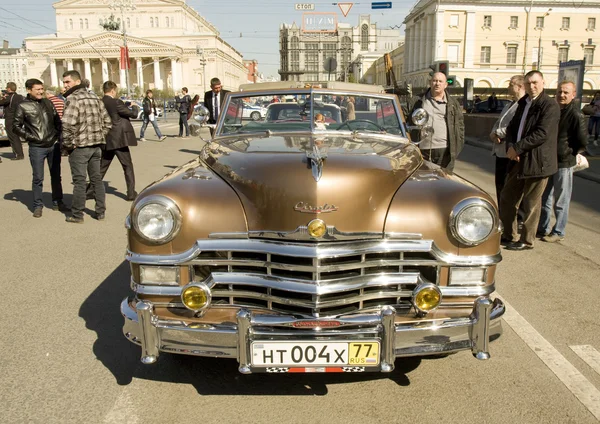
<point x="427" y="297"/>
<point x="472" y="221"/>
<point x="157" y="219"/>
<point x="420" y="117"/>
<point x="196" y="297"/>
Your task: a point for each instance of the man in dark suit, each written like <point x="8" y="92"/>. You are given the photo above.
<point x="10" y="102"/>
<point x="531" y="139"/>
<point x="213" y="100"/>
<point x="120" y="137"/>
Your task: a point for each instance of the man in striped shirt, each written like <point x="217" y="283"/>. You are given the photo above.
<point x="59" y="104"/>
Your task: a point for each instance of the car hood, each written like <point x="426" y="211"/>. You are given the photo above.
<point x="280" y="191"/>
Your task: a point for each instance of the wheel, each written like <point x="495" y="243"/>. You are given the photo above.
<point x="349" y="124"/>
<point x="255" y="116"/>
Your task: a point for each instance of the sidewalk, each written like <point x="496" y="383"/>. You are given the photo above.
<point x="592" y="173"/>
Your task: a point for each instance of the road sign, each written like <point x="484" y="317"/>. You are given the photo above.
<point x="381" y="5"/>
<point x="305" y="6"/>
<point x="345" y="8"/>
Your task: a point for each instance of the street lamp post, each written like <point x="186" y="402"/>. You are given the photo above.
<point x="124" y="5"/>
<point x="526" y="37"/>
<point x="539" y="52"/>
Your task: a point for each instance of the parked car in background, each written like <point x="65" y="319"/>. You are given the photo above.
<point x="482" y="107"/>
<point x="255" y="112"/>
<point x="290" y="245"/>
<point x="3" y="134"/>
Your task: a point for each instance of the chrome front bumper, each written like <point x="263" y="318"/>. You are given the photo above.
<point x="232" y="340"/>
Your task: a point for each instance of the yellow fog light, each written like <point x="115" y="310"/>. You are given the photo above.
<point x="317" y="228"/>
<point x="426" y="297"/>
<point x="196" y="297"/>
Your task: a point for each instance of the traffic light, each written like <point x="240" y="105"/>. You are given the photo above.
<point x="451" y="80"/>
<point x="409" y="89"/>
<point x="443" y="66"/>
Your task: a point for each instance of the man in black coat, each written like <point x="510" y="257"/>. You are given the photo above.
<point x="572" y="139"/>
<point x="531" y="145"/>
<point x="213" y="100"/>
<point x="118" y="140"/>
<point x="10" y="102"/>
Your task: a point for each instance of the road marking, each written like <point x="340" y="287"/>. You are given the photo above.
<point x="123" y="410"/>
<point x="576" y="382"/>
<point x="590" y="355"/>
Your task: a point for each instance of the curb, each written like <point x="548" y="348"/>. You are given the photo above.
<point x="586" y="174"/>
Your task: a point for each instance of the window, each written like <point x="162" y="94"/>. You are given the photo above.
<point x="511" y="55"/>
<point x="486" y="53"/>
<point x="487" y="21"/>
<point x="172" y="22"/>
<point x="591" y="24"/>
<point x="70" y="23"/>
<point x="156" y="21"/>
<point x="566" y="23"/>
<point x="588" y="55"/>
<point x="563" y="54"/>
<point x="328" y="51"/>
<point x="346" y="51"/>
<point x="128" y="22"/>
<point x="539" y="22"/>
<point x="99" y="22"/>
<point x="514" y="22"/>
<point x="452" y="53"/>
<point x="167" y="21"/>
<point x="295" y="55"/>
<point x="137" y="22"/>
<point x="151" y="22"/>
<point x="87" y="26"/>
<point x="311" y="56"/>
<point x="454" y="21"/>
<point x="81" y="23"/>
<point x="364" y="37"/>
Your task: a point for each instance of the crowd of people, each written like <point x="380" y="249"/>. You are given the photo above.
<point x="535" y="140"/>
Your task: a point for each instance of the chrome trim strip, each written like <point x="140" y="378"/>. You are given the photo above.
<point x="342" y="235"/>
<point x="467" y="291"/>
<point x="316" y="250"/>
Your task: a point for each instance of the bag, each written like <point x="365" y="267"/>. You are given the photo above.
<point x="588" y="110"/>
<point x="582" y="163"/>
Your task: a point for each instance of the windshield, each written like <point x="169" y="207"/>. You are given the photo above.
<point x="311" y="111"/>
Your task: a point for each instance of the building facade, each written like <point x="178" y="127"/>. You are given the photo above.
<point x="170" y="46"/>
<point x="13" y="66"/>
<point x="490" y="41"/>
<point x="376" y="72"/>
<point x="304" y="54"/>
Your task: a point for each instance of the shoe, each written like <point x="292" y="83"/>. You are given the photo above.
<point x="505" y="241"/>
<point x="59" y="206"/>
<point x="17" y="158"/>
<point x="187" y="136"/>
<point x="100" y="216"/>
<point x="37" y="213"/>
<point x="142" y="139"/>
<point x="74" y="220"/>
<point x="552" y="238"/>
<point x="132" y="197"/>
<point x="519" y="245"/>
<point x="163" y="138"/>
<point x="541" y="234"/>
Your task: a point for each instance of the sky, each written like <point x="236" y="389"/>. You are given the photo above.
<point x="251" y="27"/>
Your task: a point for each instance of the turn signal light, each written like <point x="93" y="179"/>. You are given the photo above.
<point x="196" y="297"/>
<point x="427" y="297"/>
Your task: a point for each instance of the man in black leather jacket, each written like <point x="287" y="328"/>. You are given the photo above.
<point x="38" y="123"/>
<point x="10" y="102"/>
<point x="572" y="139"/>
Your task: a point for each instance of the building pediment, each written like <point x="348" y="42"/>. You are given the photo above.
<point x="111" y="42"/>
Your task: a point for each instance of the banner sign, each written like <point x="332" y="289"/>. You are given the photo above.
<point x="124" y="58"/>
<point x="319" y="22"/>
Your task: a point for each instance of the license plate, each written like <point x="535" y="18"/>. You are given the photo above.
<point x="315" y="353"/>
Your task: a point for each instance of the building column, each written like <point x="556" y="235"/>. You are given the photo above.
<point x="140" y="74"/>
<point x="438" y="53"/>
<point x="88" y="69"/>
<point x="406" y="51"/>
<point x="69" y="65"/>
<point x="469" y="40"/>
<point x="175" y="75"/>
<point x="415" y="51"/>
<point x="430" y="40"/>
<point x="157" y="79"/>
<point x="53" y="73"/>
<point x="104" y="70"/>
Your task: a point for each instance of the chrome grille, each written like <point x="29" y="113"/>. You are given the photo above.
<point x="315" y="279"/>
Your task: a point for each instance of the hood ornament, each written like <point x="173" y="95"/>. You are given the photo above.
<point x="307" y="208"/>
<point x="316" y="162"/>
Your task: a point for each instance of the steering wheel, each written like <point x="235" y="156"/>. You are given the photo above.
<point x="361" y="121"/>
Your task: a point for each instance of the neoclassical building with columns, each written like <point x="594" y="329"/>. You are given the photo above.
<point x="170" y="46"/>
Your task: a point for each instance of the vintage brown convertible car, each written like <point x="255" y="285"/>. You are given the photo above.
<point x="296" y="246"/>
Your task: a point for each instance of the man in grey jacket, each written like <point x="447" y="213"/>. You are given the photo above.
<point x="446" y="117"/>
<point x="516" y="89"/>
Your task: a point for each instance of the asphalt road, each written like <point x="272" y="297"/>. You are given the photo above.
<point x="63" y="358"/>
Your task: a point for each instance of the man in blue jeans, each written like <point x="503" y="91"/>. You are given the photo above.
<point x="37" y="121"/>
<point x="150" y="115"/>
<point x="183" y="102"/>
<point x="572" y="138"/>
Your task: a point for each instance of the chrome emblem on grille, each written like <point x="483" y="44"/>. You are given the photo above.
<point x="306" y="208"/>
<point x="316" y="324"/>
